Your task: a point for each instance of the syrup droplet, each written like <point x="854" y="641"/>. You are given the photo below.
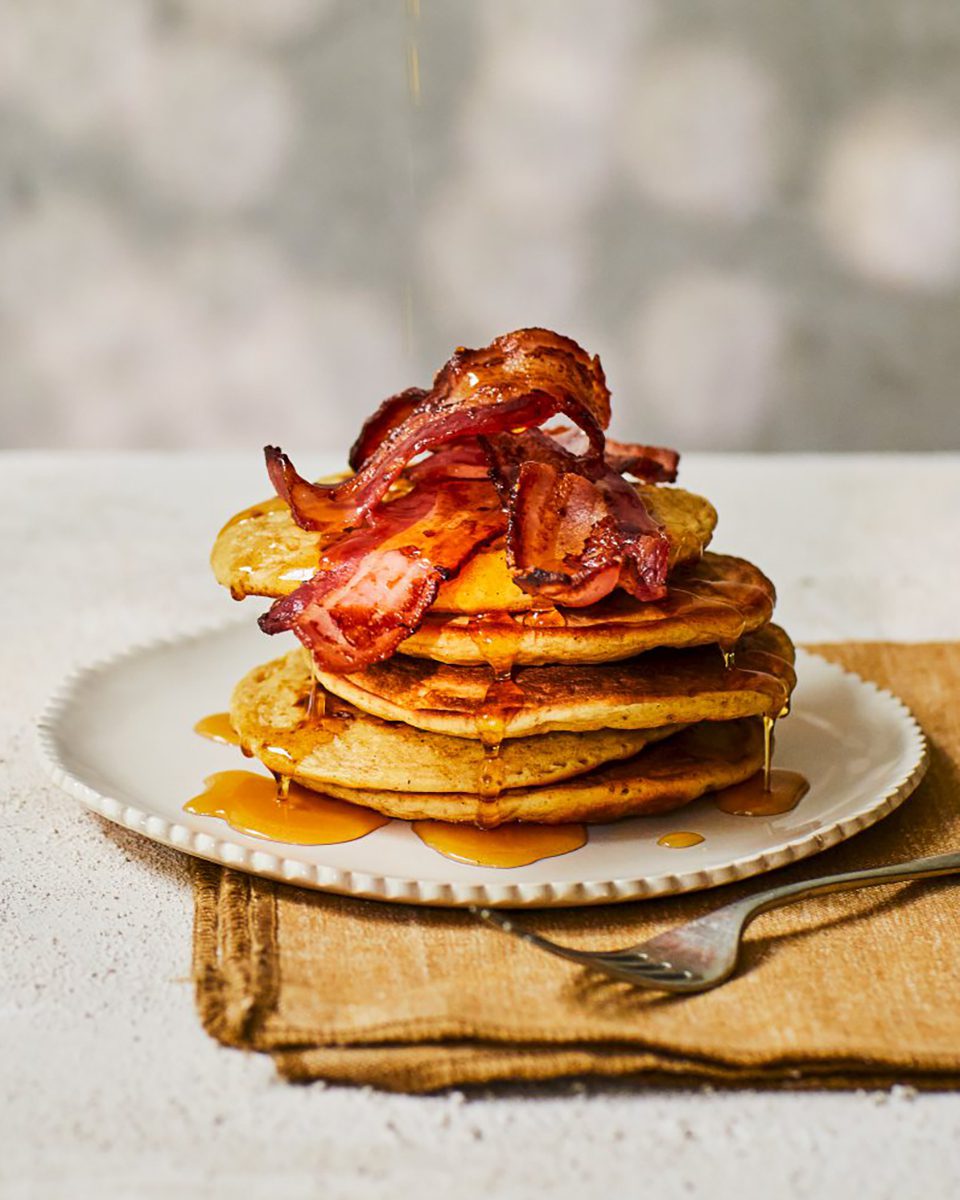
<point x="680" y="840"/>
<point x="513" y="845"/>
<point x="752" y="799"/>
<point x="217" y="728"/>
<point x="497" y="639"/>
<point x="249" y="804"/>
<point x="545" y="618"/>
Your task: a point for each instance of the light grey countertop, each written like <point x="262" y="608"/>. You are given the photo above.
<point x="109" y="1086"/>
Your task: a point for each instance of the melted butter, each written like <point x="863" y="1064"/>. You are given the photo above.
<point x="751" y="799"/>
<point x="680" y="840"/>
<point x="249" y="803"/>
<point x="513" y="845"/>
<point x="217" y="728"/>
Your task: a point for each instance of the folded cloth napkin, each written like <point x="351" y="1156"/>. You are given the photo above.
<point x="854" y="989"/>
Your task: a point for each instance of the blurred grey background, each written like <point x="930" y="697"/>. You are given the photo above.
<point x="225" y="222"/>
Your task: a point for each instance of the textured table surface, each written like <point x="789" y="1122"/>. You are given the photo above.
<point x="110" y="1088"/>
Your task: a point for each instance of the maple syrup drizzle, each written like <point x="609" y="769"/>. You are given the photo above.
<point x="412" y="200"/>
<point x="752" y="798"/>
<point x="497" y="638"/>
<point x="715" y="607"/>
<point x="249" y="804"/>
<point x="217" y="728"/>
<point x="768" y="723"/>
<point x="680" y="840"/>
<point x="512" y="845"/>
<point x="544" y="618"/>
<point x="316" y="702"/>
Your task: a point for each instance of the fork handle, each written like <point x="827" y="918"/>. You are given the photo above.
<point x="917" y="868"/>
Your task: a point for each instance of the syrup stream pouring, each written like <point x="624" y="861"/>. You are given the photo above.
<point x="703" y="953"/>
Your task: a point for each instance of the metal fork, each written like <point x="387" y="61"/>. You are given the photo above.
<point x="703" y="953"/>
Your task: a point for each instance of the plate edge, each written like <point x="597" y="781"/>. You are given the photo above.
<point x="409" y="891"/>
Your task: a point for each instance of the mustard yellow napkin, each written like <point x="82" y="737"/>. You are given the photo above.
<point x="859" y="988"/>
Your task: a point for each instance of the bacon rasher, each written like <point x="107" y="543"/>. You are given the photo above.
<point x="517" y="382"/>
<point x="376" y="582"/>
<point x="575" y="528"/>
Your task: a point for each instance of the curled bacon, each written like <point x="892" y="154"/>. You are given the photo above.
<point x="376" y="582"/>
<point x="517" y="382"/>
<point x="576" y="528"/>
<point x="652" y="464"/>
<point x="312" y="505"/>
<point x="392" y="412"/>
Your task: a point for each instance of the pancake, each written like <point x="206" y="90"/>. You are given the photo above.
<point x="662" y="777"/>
<point x="347" y="747"/>
<point x="662" y="687"/>
<point x="261" y="552"/>
<point x="717" y="599"/>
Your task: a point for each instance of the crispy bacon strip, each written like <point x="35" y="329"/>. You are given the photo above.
<point x="562" y="540"/>
<point x="576" y="528"/>
<point x="646" y="548"/>
<point x="652" y="464"/>
<point x="376" y="582"/>
<point x="392" y="412"/>
<point x="517" y="382"/>
<point x="465" y="459"/>
<point x="312" y="505"/>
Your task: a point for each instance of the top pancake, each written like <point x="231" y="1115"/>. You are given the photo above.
<point x="262" y="552"/>
<point x="663" y="687"/>
<point x="717" y="599"/>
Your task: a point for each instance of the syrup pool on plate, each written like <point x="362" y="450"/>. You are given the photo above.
<point x="255" y="804"/>
<point x="680" y="840"/>
<point x="512" y="845"/>
<point x="751" y="799"/>
<point x="217" y="728"/>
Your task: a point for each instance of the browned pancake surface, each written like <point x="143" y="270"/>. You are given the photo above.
<point x="662" y="687"/>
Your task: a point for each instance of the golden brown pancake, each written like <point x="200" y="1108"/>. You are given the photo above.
<point x="662" y="687"/>
<point x="261" y="552"/>
<point x="347" y="747"/>
<point x="662" y="777"/>
<point x="717" y="599"/>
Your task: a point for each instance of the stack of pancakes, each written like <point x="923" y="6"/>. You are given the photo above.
<point x="502" y="708"/>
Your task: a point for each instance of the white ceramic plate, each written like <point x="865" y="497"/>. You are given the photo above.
<point x="119" y="737"/>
